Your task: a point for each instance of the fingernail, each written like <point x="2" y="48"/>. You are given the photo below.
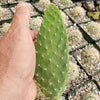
<point x="21" y="5"/>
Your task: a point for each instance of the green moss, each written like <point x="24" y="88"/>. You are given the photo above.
<point x="94" y="15"/>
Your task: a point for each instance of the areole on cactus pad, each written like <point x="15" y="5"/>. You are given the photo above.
<point x="52" y="54"/>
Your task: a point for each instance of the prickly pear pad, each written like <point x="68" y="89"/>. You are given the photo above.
<point x="52" y="54"/>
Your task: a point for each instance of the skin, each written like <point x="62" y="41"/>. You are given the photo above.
<point x="18" y="58"/>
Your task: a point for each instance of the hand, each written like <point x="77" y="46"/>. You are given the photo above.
<point x="18" y="58"/>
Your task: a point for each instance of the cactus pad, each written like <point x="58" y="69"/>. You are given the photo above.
<point x="52" y="54"/>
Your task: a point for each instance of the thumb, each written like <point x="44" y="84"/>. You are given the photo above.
<point x="21" y="17"/>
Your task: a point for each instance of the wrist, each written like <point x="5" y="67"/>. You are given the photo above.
<point x="12" y="89"/>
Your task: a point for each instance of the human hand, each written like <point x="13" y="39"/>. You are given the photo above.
<point x="17" y="58"/>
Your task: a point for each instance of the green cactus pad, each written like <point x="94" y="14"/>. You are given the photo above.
<point x="52" y="54"/>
